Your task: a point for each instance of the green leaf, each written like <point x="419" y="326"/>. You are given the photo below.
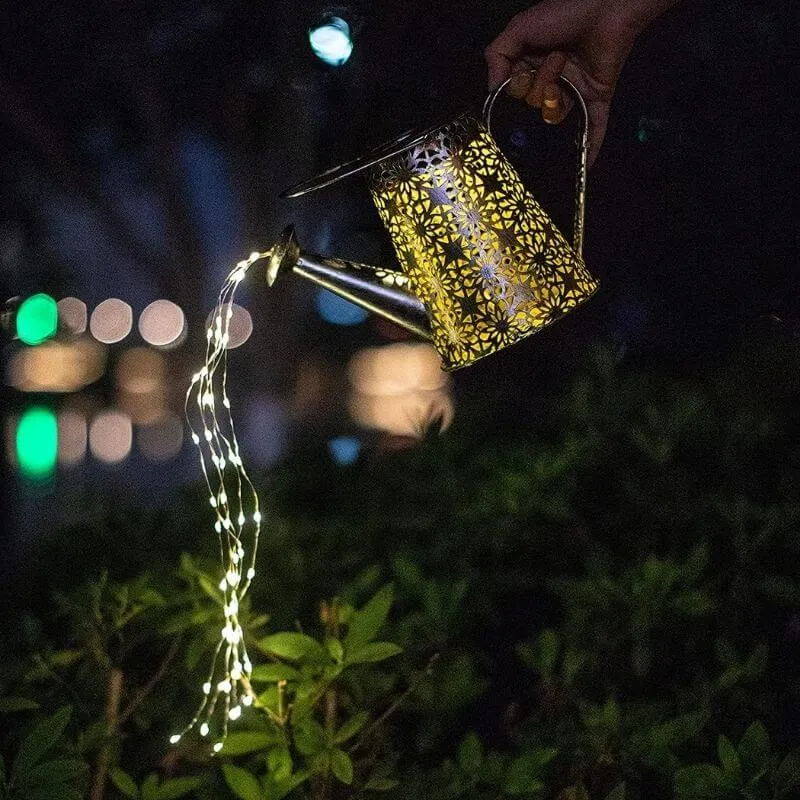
<point x="334" y="647"/>
<point x="208" y="587"/>
<point x="272" y="673"/>
<point x="124" y="783"/>
<point x="65" y="658"/>
<point x="617" y="793"/>
<point x="9" y="705"/>
<point x="309" y="737"/>
<point x="381" y="784"/>
<point x="342" y="766"/>
<point x="701" y="782"/>
<point x="150" y="787"/>
<point x="547" y="646"/>
<point x="368" y="620"/>
<point x="241" y="743"/>
<point x="279" y="763"/>
<point x="173" y="788"/>
<point x="756" y="662"/>
<point x="787" y="775"/>
<point x="55" y="771"/>
<point x="729" y="758"/>
<point x="282" y="788"/>
<point x="754" y="751"/>
<point x="525" y="772"/>
<point x="351" y="727"/>
<point x="373" y="652"/>
<point x="470" y="753"/>
<point x="242" y="783"/>
<point x="41" y="739"/>
<point x="293" y="647"/>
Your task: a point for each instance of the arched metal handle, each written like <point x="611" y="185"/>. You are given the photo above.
<point x="583" y="154"/>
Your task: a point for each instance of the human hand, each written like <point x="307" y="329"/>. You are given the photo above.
<point x="586" y="40"/>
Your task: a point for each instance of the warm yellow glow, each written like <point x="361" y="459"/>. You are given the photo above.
<point x="111" y="321"/>
<point x="476" y="247"/>
<point x="162" y="324"/>
<point x="57" y="366"/>
<point x="232" y="498"/>
<point x="142" y="385"/>
<point x="399" y="388"/>
<point x="111" y="436"/>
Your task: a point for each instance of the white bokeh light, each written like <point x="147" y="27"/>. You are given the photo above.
<point x="162" y="324"/>
<point x="111" y="321"/>
<point x="111" y="436"/>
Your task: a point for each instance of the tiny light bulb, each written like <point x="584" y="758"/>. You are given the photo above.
<point x="213" y="501"/>
<point x="224" y="686"/>
<point x="241" y="518"/>
<point x="175" y="738"/>
<point x="257" y="517"/>
<point x="206" y="688"/>
<point x="208" y="435"/>
<point x="247" y="700"/>
<point x="232" y="577"/>
<point x="235" y="712"/>
<point x="204" y="729"/>
<point x="251" y="573"/>
<point x="195" y="438"/>
<point x="217" y="747"/>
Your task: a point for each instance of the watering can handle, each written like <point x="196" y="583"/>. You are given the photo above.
<point x="583" y="155"/>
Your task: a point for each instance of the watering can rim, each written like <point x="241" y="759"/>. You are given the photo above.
<point x="388" y="149"/>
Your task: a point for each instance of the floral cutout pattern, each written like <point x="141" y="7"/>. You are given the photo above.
<point x="476" y="247"/>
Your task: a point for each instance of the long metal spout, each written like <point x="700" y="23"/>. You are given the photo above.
<point x="378" y="290"/>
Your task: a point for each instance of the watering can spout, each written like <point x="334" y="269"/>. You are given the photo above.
<point x="380" y="291"/>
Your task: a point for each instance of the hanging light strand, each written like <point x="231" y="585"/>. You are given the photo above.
<point x="237" y="515"/>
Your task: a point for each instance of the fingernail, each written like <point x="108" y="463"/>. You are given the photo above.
<point x="551" y="104"/>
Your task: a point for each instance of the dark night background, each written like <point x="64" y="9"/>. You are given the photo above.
<point x="144" y="147"/>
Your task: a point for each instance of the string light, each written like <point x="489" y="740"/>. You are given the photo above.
<point x="237" y="519"/>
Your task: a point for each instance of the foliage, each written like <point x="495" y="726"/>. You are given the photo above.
<point x="598" y="610"/>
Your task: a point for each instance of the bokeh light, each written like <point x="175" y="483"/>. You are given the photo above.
<point x="37" y="442"/>
<point x="37" y="319"/>
<point x="141" y="384"/>
<point x="344" y="450"/>
<point x="72" y="436"/>
<point x="72" y="315"/>
<point x="161" y="440"/>
<point x="400" y="388"/>
<point x="337" y="310"/>
<point x="111" y="321"/>
<point x="111" y="436"/>
<point x="56" y="366"/>
<point x="162" y="324"/>
<point x="331" y="41"/>
<point x="240" y="325"/>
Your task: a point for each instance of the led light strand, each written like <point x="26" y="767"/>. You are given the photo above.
<point x="237" y="515"/>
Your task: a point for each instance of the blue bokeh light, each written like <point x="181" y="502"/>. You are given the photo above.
<point x="331" y="41"/>
<point x="337" y="310"/>
<point x="344" y="450"/>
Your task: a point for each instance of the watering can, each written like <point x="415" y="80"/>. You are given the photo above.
<point x="483" y="266"/>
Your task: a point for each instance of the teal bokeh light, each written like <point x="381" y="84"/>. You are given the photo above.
<point x="37" y="443"/>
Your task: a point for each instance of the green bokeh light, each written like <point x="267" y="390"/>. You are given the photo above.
<point x="37" y="319"/>
<point x="37" y="443"/>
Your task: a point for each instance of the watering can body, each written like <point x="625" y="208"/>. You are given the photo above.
<point x="479" y="255"/>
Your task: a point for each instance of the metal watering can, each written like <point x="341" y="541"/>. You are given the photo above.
<point x="483" y="264"/>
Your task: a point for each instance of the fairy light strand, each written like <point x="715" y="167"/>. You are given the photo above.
<point x="236" y="514"/>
